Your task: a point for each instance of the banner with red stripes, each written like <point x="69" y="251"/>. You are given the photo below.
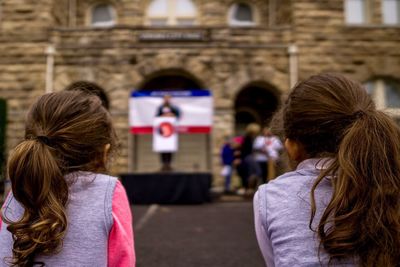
<point x="195" y="110"/>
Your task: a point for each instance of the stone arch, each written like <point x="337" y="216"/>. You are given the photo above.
<point x="277" y="83"/>
<point x="194" y="151"/>
<point x="256" y="102"/>
<point x="173" y="63"/>
<point x="171" y="78"/>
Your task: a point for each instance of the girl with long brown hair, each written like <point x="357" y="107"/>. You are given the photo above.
<point x="62" y="210"/>
<point x="341" y="205"/>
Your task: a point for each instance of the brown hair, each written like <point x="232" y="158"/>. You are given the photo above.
<point x="65" y="132"/>
<point x="332" y="116"/>
<point x="90" y="88"/>
<point x="253" y="129"/>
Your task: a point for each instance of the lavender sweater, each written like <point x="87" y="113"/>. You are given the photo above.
<point x="282" y="212"/>
<point x="89" y="212"/>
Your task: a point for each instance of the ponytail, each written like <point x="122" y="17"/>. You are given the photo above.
<point x="38" y="184"/>
<point x="362" y="220"/>
<point x="66" y="132"/>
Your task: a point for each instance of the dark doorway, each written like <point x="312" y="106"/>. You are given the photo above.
<point x="171" y="82"/>
<point x="254" y="104"/>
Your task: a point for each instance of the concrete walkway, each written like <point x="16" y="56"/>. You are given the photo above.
<point x="216" y="234"/>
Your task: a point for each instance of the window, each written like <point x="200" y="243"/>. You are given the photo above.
<point x="102" y="15"/>
<point x="386" y="94"/>
<point x="356" y="11"/>
<point x="172" y="13"/>
<point x="391" y="11"/>
<point x="241" y="14"/>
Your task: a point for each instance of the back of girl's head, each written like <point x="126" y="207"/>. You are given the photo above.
<point x="76" y="127"/>
<point x="318" y="111"/>
<point x="65" y="132"/>
<point x="332" y="116"/>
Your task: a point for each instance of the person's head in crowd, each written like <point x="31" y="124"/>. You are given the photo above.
<point x="252" y="130"/>
<point x="90" y="88"/>
<point x="65" y="132"/>
<point x="331" y="116"/>
<point x="267" y="131"/>
<point x="167" y="100"/>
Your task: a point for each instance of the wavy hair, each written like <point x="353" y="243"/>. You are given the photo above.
<point x="65" y="132"/>
<point x="332" y="116"/>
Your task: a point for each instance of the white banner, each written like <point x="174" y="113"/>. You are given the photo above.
<point x="195" y="110"/>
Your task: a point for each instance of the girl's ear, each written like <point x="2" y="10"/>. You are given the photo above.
<point x="295" y="150"/>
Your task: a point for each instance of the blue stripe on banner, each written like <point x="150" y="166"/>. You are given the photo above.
<point x="183" y="93"/>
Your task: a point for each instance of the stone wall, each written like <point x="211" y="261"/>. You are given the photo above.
<point x="118" y="62"/>
<point x="327" y="44"/>
<point x="23" y="40"/>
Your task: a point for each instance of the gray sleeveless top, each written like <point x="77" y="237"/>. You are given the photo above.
<point x="283" y="208"/>
<point x="89" y="213"/>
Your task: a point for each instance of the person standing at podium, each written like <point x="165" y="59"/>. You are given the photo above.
<point x="167" y="110"/>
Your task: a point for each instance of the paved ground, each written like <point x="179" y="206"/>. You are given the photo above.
<point x="216" y="234"/>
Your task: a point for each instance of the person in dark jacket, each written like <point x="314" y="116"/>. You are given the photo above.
<point x="227" y="158"/>
<point x="248" y="168"/>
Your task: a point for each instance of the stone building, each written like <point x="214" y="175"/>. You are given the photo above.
<point x="247" y="52"/>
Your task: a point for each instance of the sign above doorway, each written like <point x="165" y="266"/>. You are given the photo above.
<point x="176" y="35"/>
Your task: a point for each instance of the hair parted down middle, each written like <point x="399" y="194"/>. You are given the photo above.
<point x="65" y="132"/>
<point x="332" y="116"/>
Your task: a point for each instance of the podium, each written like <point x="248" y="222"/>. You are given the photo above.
<point x="167" y="188"/>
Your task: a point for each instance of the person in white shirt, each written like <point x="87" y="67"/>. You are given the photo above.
<point x="266" y="148"/>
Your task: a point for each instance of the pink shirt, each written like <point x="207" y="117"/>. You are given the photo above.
<point x="121" y="251"/>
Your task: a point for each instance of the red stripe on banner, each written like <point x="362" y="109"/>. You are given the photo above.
<point x="141" y="130"/>
<point x="181" y="129"/>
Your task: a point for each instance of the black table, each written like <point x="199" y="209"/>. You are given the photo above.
<point x="167" y="187"/>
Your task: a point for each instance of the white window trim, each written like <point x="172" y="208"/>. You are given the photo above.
<point x="237" y="23"/>
<point x="397" y="24"/>
<point x="172" y="20"/>
<point x="379" y="97"/>
<point x="103" y="24"/>
<point x="366" y="12"/>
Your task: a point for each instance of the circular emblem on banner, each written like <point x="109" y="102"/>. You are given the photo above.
<point x="166" y="129"/>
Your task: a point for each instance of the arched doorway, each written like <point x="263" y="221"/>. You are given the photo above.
<point x="91" y="88"/>
<point x="255" y="103"/>
<point x="193" y="149"/>
<point x="171" y="81"/>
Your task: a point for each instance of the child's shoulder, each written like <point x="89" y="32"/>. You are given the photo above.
<point x="287" y="183"/>
<point x="87" y="180"/>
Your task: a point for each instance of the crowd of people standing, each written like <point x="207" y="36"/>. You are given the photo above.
<point x="254" y="156"/>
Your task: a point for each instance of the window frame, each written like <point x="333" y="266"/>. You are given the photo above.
<point x="107" y="24"/>
<point x="171" y="18"/>
<point x="366" y="13"/>
<point x="378" y="95"/>
<point x="236" y="23"/>
<point x="383" y="15"/>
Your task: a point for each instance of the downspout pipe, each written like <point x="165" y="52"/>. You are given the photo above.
<point x="293" y="52"/>
<point x="50" y="51"/>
